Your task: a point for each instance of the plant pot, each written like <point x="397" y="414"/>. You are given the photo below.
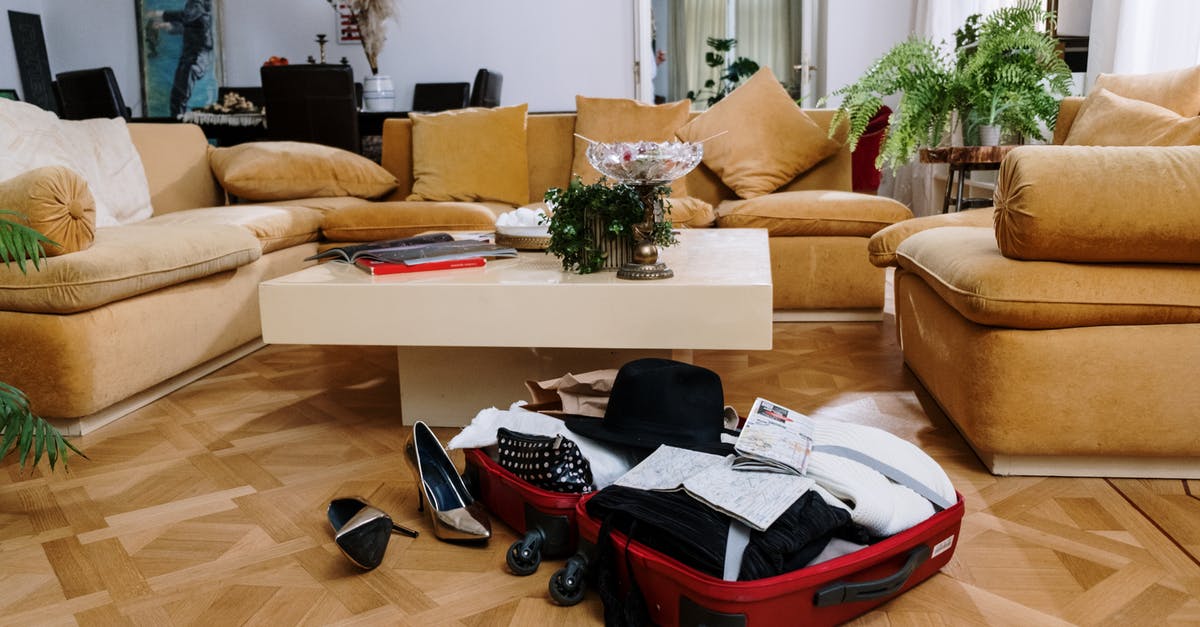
<point x="378" y="93"/>
<point x="618" y="250"/>
<point x="989" y="135"/>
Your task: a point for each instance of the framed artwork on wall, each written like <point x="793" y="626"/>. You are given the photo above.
<point x="347" y="28"/>
<point x="179" y="53"/>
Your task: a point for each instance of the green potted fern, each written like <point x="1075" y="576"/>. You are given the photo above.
<point x="21" y="430"/>
<point x="1004" y="69"/>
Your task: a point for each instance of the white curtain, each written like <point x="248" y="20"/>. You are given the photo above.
<point x="692" y="23"/>
<point x="1140" y="36"/>
<point x="764" y="33"/>
<point x="921" y="186"/>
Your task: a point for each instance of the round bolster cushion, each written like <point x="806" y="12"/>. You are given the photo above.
<point x="56" y="202"/>
<point x="1100" y="204"/>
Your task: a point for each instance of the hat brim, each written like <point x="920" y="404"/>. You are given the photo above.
<point x="592" y="427"/>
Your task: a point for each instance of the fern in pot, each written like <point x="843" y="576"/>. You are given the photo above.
<point x="22" y="431"/>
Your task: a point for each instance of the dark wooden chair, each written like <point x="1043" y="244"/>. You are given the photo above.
<point x="430" y="97"/>
<point x="92" y="93"/>
<point x="486" y="92"/>
<point x="311" y="103"/>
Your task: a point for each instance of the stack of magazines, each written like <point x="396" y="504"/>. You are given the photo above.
<point x="434" y="251"/>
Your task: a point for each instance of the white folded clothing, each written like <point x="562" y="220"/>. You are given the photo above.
<point x="607" y="463"/>
<point x="882" y="507"/>
<point x="896" y="457"/>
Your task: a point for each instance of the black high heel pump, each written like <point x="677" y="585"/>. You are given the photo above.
<point x="361" y="530"/>
<point x="454" y="514"/>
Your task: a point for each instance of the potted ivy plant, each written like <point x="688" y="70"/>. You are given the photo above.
<point x="1004" y="69"/>
<point x="21" y="430"/>
<point x="592" y="227"/>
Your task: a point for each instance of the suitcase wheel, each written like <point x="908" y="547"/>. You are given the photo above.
<point x="567" y="584"/>
<point x="525" y="555"/>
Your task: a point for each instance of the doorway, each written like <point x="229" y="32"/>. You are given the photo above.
<point x="784" y="35"/>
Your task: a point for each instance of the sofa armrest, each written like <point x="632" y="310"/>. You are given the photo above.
<point x="881" y="248"/>
<point x="1100" y="204"/>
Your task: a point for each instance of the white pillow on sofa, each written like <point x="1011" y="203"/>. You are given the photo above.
<point x="100" y="150"/>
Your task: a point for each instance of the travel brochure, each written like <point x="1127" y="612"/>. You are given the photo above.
<point x="775" y="439"/>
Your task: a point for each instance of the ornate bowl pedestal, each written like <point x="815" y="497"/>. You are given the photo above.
<point x="645" y="166"/>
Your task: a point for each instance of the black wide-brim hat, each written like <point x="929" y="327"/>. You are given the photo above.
<point x="661" y="401"/>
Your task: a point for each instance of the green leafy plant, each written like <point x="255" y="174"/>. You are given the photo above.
<point x="1014" y="75"/>
<point x="1004" y="69"/>
<point x="616" y="208"/>
<point x="20" y="429"/>
<point x="726" y="74"/>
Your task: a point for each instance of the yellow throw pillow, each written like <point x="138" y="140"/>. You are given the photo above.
<point x="471" y="155"/>
<point x="263" y="171"/>
<point x="55" y="201"/>
<point x="1106" y="119"/>
<point x="767" y="139"/>
<point x="1177" y="90"/>
<point x="625" y="120"/>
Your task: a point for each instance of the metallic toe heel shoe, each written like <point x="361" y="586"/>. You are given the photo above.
<point x="454" y="514"/>
<point x="361" y="530"/>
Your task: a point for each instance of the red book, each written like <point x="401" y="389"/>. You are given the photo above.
<point x="385" y="267"/>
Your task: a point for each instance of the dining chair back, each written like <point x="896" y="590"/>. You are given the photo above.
<point x="91" y="93"/>
<point x="430" y="97"/>
<point x="486" y="92"/>
<point x="311" y="103"/>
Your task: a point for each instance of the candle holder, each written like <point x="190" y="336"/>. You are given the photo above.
<point x="645" y="166"/>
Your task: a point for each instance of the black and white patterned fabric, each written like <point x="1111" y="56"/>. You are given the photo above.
<point x="549" y="462"/>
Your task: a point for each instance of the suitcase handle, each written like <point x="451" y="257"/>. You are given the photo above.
<point x="843" y="592"/>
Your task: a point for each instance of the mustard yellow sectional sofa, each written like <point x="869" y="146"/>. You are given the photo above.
<point x="1060" y="330"/>
<point x="154" y="303"/>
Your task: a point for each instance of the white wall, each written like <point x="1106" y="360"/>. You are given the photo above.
<point x="547" y="50"/>
<point x="857" y="33"/>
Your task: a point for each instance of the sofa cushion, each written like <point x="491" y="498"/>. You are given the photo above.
<point x="283" y="170"/>
<point x="275" y="227"/>
<point x="175" y="158"/>
<point x="1177" y="90"/>
<point x="471" y="155"/>
<point x="791" y="214"/>
<point x="127" y="261"/>
<point x="323" y="204"/>
<point x="881" y="249"/>
<point x="624" y="120"/>
<point x="1103" y="204"/>
<point x="965" y="267"/>
<point x="757" y="138"/>
<point x="691" y="212"/>
<point x="1106" y="119"/>
<point x="368" y="222"/>
<point x="56" y="202"/>
<point x="99" y="149"/>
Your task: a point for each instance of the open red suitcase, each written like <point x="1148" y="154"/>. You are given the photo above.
<point x="546" y="518"/>
<point x="825" y="594"/>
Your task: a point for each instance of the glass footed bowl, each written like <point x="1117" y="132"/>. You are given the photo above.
<point x="644" y="162"/>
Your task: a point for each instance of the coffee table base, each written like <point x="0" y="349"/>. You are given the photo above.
<point x="447" y="385"/>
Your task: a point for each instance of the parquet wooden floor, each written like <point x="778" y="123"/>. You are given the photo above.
<point x="207" y="507"/>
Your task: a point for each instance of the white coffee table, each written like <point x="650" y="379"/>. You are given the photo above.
<point x="469" y="338"/>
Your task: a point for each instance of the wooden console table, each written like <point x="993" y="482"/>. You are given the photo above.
<point x="962" y="161"/>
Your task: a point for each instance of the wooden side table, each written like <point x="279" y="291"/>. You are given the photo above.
<point x="962" y="161"/>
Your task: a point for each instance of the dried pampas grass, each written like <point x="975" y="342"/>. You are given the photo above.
<point x="369" y="16"/>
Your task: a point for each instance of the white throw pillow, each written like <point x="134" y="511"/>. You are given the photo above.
<point x="100" y="150"/>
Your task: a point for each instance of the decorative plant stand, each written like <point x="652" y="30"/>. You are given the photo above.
<point x="645" y="166"/>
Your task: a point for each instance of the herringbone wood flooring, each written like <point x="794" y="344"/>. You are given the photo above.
<point x="207" y="507"/>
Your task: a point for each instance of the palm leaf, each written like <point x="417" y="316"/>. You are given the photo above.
<point x="19" y="242"/>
